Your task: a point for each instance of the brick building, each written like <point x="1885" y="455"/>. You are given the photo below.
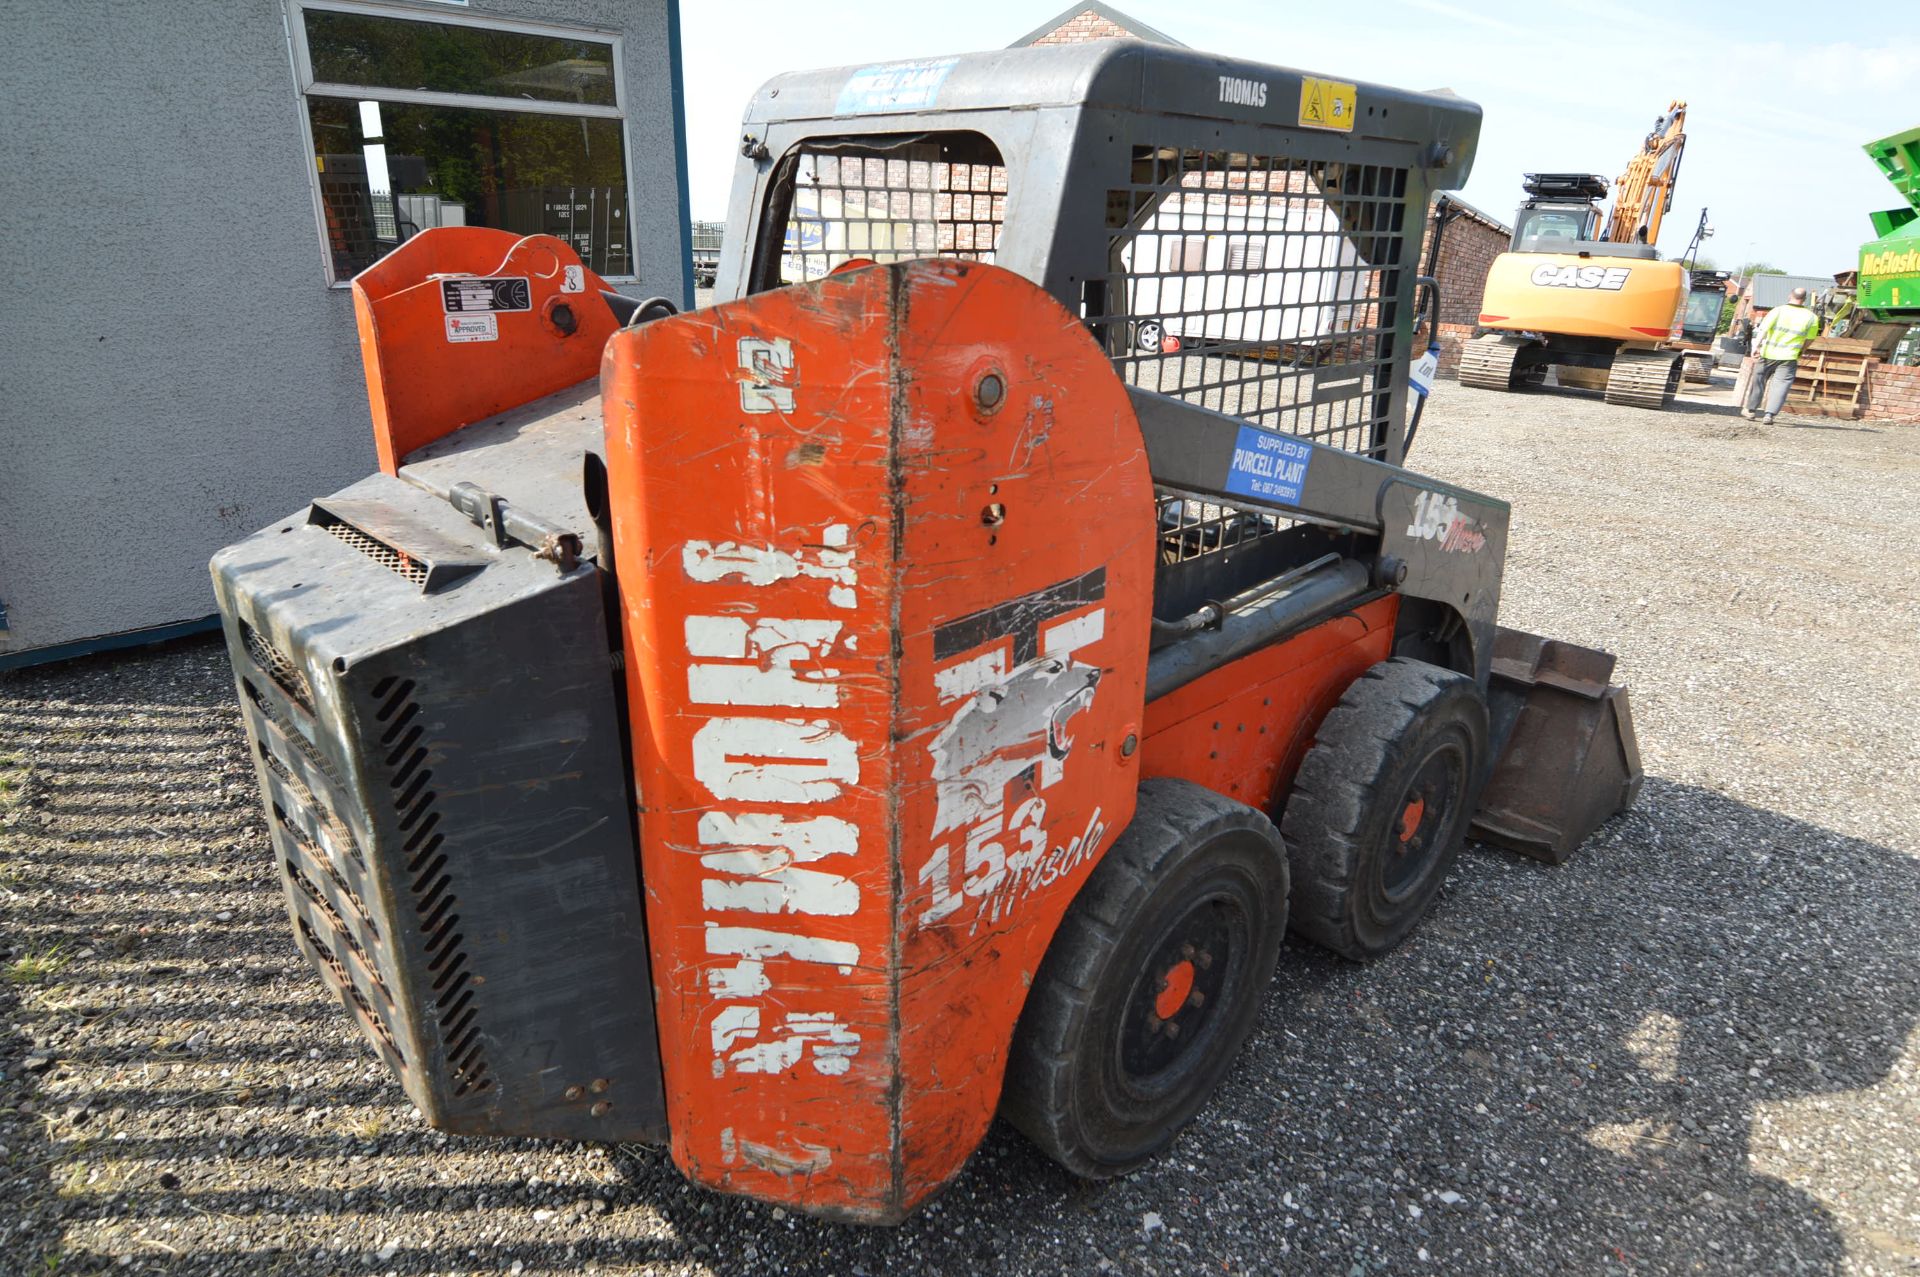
<point x="1467" y="249"/>
<point x="1085" y="22"/>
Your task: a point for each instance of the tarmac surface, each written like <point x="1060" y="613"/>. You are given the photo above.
<point x="1691" y="1049"/>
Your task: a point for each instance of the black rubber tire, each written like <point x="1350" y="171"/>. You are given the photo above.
<point x="1361" y="881"/>
<point x="1095" y="1078"/>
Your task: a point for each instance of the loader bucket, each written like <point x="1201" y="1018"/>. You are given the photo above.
<point x="1565" y="758"/>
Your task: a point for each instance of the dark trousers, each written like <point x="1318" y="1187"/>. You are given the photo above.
<point x="1772" y="378"/>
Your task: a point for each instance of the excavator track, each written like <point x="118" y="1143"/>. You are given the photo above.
<point x="1644" y="378"/>
<point x="1489" y="363"/>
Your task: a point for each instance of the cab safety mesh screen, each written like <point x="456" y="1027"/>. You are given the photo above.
<point x="1260" y="286"/>
<point x="932" y="196"/>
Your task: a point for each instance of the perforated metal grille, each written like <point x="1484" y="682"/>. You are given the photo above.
<point x="320" y="863"/>
<point x="1259" y="286"/>
<point x="342" y="979"/>
<point x="317" y="809"/>
<point x="430" y="883"/>
<point x="379" y="551"/>
<point x="294" y="736"/>
<point x="354" y="970"/>
<point x="944" y="196"/>
<point x="338" y="923"/>
<point x="278" y="666"/>
<point x="324" y="866"/>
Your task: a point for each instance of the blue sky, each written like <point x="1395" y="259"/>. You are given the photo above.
<point x="1781" y="96"/>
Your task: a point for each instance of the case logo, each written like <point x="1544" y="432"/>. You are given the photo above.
<point x="1610" y="278"/>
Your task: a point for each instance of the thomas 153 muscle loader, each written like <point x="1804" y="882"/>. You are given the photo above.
<point x="797" y="730"/>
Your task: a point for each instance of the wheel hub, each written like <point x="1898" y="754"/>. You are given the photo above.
<point x="1176" y="986"/>
<point x="1410" y="818"/>
<point x="1425" y="813"/>
<point x="1181" y="981"/>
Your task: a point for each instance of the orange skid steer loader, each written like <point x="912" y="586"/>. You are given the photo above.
<point x="896" y="694"/>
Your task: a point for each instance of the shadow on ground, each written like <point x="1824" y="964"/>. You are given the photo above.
<point x="1567" y="1069"/>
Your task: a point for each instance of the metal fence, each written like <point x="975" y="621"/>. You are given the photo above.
<point x="1258" y="286"/>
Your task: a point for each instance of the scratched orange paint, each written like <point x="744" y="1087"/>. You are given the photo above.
<point x="813" y="509"/>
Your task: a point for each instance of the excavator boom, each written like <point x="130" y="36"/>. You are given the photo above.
<point x="1643" y="194"/>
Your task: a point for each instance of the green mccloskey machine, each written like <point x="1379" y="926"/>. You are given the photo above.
<point x="1889" y="286"/>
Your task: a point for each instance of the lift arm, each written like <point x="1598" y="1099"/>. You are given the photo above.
<point x="1437" y="541"/>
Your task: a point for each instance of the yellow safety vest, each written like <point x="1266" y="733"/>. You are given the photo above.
<point x="1786" y="331"/>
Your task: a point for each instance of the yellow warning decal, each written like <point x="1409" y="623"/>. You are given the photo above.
<point x="1327" y="104"/>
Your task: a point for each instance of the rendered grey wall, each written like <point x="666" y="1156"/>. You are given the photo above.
<point x="174" y="370"/>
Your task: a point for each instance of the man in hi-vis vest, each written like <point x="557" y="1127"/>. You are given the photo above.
<point x="1777" y="344"/>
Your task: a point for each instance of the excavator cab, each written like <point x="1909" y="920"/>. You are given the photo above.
<point x="1552" y="228"/>
<point x="795" y="731"/>
<point x="1560" y="214"/>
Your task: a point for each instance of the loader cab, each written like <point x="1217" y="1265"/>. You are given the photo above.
<point x="1216" y="249"/>
<point x="1561" y="213"/>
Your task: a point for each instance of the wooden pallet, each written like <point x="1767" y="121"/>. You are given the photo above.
<point x="1832" y="376"/>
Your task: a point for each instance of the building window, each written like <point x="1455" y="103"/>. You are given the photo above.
<point x="452" y="121"/>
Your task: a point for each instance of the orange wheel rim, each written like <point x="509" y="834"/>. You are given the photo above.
<point x="1176" y="986"/>
<point x="1410" y="818"/>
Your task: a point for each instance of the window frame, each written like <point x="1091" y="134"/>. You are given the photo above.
<point x="305" y="86"/>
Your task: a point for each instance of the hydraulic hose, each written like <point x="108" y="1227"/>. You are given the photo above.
<point x="1444" y="211"/>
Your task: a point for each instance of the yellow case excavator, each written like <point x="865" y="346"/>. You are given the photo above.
<point x="1584" y="290"/>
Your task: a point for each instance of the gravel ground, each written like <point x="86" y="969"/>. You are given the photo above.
<point x="1691" y="1049"/>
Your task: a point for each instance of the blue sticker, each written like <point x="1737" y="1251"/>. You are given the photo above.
<point x="1270" y="466"/>
<point x="893" y="86"/>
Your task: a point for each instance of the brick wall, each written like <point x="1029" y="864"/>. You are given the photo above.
<point x="1893" y="393"/>
<point x="1466" y="255"/>
<point x="1083" y="26"/>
